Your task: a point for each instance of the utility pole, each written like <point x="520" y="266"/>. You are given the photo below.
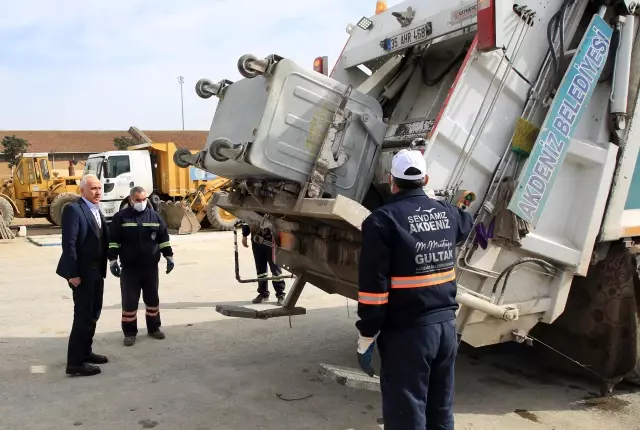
<point x="181" y="81"/>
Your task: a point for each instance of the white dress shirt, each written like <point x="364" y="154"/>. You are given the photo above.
<point x="95" y="210"/>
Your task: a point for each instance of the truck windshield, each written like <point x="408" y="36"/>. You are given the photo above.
<point x="93" y="166"/>
<point x="117" y="165"/>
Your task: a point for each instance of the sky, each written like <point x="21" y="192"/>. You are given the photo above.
<point x="104" y="65"/>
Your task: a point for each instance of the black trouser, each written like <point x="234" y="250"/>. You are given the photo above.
<point x="87" y="306"/>
<point x="262" y="255"/>
<point x="417" y="376"/>
<point x="132" y="282"/>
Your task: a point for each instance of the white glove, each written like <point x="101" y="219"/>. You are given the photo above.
<point x="365" y="354"/>
<point x="364" y="343"/>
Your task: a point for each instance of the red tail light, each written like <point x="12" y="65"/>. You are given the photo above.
<point x="321" y="65"/>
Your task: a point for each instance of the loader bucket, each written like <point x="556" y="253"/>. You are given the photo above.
<point x="179" y="217"/>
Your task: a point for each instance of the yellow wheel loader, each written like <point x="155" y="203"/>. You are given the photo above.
<point x="34" y="191"/>
<point x="197" y="209"/>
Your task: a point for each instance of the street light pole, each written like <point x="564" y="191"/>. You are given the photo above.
<point x="181" y="81"/>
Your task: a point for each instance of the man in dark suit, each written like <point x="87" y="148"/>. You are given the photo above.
<point x="83" y="265"/>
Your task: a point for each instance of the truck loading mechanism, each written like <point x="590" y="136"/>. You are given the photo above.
<point x="531" y="106"/>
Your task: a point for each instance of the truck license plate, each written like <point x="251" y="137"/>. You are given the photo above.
<point x="408" y="38"/>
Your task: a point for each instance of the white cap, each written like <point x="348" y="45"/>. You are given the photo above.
<point x="406" y="159"/>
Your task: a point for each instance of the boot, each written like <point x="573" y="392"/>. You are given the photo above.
<point x="280" y="300"/>
<point x="260" y="299"/>
<point x="84" y="370"/>
<point x="157" y="335"/>
<point x="129" y="340"/>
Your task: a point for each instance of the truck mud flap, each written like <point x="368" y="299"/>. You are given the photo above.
<point x="599" y="327"/>
<point x="265" y="314"/>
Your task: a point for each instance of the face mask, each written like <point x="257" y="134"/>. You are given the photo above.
<point x="140" y="206"/>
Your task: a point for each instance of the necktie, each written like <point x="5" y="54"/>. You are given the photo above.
<point x="96" y="215"/>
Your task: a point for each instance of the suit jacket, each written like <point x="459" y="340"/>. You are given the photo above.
<point x="81" y="245"/>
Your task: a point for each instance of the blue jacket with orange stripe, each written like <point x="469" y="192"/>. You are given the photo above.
<point x="406" y="271"/>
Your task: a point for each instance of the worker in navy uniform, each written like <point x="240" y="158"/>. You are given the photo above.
<point x="406" y="299"/>
<point x="261" y="245"/>
<point x="83" y="265"/>
<point x="138" y="237"/>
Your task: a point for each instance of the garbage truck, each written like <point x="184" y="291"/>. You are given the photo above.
<point x="182" y="197"/>
<point x="529" y="107"/>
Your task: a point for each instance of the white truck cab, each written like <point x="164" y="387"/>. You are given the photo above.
<point x="119" y="171"/>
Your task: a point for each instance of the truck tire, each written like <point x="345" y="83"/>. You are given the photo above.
<point x="633" y="376"/>
<point x="220" y="219"/>
<point x="58" y="204"/>
<point x="6" y="211"/>
<point x="124" y="203"/>
<point x="155" y="200"/>
<point x="600" y="323"/>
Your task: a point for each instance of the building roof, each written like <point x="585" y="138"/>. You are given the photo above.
<point x="100" y="141"/>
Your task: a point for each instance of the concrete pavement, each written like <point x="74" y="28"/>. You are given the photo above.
<point x="214" y="372"/>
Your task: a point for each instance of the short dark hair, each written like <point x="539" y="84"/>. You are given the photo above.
<point x="408" y="185"/>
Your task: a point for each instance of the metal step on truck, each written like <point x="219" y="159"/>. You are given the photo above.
<point x="529" y="107"/>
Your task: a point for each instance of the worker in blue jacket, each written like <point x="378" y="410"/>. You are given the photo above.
<point x="406" y="299"/>
<point x="138" y="237"/>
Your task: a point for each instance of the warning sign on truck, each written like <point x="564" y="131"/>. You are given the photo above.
<point x="561" y="122"/>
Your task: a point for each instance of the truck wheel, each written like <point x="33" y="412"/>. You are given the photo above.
<point x="634" y="375"/>
<point x="155" y="200"/>
<point x="6" y="211"/>
<point x="599" y="325"/>
<point x="220" y="219"/>
<point x="58" y="204"/>
<point x="124" y="203"/>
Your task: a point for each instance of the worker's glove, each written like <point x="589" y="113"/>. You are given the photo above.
<point x="170" y="264"/>
<point x="365" y="353"/>
<point x="115" y="268"/>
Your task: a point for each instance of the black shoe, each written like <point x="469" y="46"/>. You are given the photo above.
<point x="157" y="335"/>
<point x="84" y="370"/>
<point x="129" y="340"/>
<point x="260" y="299"/>
<point x="96" y="359"/>
<point x="281" y="301"/>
